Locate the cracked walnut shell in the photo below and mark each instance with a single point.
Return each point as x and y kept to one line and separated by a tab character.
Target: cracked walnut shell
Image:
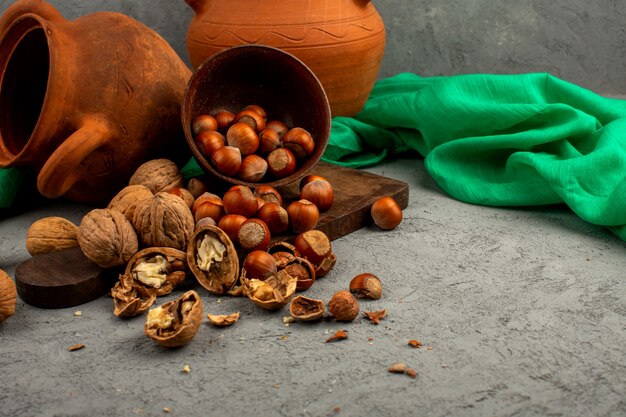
130	299
163	221
176	322
158	175
107	238
157	270
8	296
212	259
51	234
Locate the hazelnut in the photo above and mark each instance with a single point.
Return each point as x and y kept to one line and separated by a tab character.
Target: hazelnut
300	142
176	322
275	217
254	235
320	193
314	245
310	178
268	194
243	137
283	253
303	270
230	224
260	265
184	194
303	215
366	286
196	187
251	118
8	296
227	160
281	163
212	259
107	238
343	306
224	119
386	213
269	141
257	109
306	309
239	199
204	122
277	126
253	168
208	205
51	234
209	141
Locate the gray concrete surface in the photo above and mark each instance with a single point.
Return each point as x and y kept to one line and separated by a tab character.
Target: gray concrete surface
578	40
524	311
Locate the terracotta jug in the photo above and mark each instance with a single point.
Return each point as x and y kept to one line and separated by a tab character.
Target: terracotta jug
342	41
85	102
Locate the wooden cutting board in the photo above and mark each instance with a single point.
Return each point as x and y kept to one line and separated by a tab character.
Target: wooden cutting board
66	278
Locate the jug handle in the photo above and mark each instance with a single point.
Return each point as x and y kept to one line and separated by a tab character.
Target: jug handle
22	7
62	170
196	5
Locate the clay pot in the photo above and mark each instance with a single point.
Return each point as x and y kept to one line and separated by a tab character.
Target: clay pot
85	102
266	76
342	41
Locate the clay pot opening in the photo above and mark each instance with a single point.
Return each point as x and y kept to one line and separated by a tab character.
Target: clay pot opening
24	69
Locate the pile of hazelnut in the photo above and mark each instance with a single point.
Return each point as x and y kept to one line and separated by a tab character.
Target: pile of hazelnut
157	233
249	147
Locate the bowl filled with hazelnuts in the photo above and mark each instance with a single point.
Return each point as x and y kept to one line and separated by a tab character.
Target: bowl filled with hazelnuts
255	114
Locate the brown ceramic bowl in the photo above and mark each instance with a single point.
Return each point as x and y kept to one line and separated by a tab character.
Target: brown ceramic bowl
269	77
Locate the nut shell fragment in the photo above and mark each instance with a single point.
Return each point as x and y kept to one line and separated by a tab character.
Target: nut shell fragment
272	293
51	234
8	296
221	320
212	259
176	322
107	238
158	270
163	220
130	299
306	309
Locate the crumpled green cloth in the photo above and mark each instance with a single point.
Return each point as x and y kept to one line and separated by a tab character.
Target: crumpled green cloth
10	181
498	140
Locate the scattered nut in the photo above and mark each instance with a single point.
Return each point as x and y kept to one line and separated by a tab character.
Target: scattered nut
220	320
51	234
415	344
306	309
176	322
8	296
375	316
343	306
272	293
186	369
107	238
366	286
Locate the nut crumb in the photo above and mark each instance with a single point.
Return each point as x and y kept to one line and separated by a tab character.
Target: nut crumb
336	409
284	337
186	369
339	335
78	313
429	348
76	347
397	368
288	319
415	344
166	409
411	372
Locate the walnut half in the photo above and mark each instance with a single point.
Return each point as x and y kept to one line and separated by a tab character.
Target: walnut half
213	259
176	322
159	270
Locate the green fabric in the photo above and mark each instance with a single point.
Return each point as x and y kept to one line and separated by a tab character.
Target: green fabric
10	181
499	140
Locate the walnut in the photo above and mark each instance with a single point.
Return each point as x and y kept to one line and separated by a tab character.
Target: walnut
176	322
51	234
163	221
212	258
8	296
157	270
107	238
127	199
344	306
272	293
129	298
158	175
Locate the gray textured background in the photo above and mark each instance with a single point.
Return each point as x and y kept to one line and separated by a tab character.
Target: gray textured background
581	41
524	308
